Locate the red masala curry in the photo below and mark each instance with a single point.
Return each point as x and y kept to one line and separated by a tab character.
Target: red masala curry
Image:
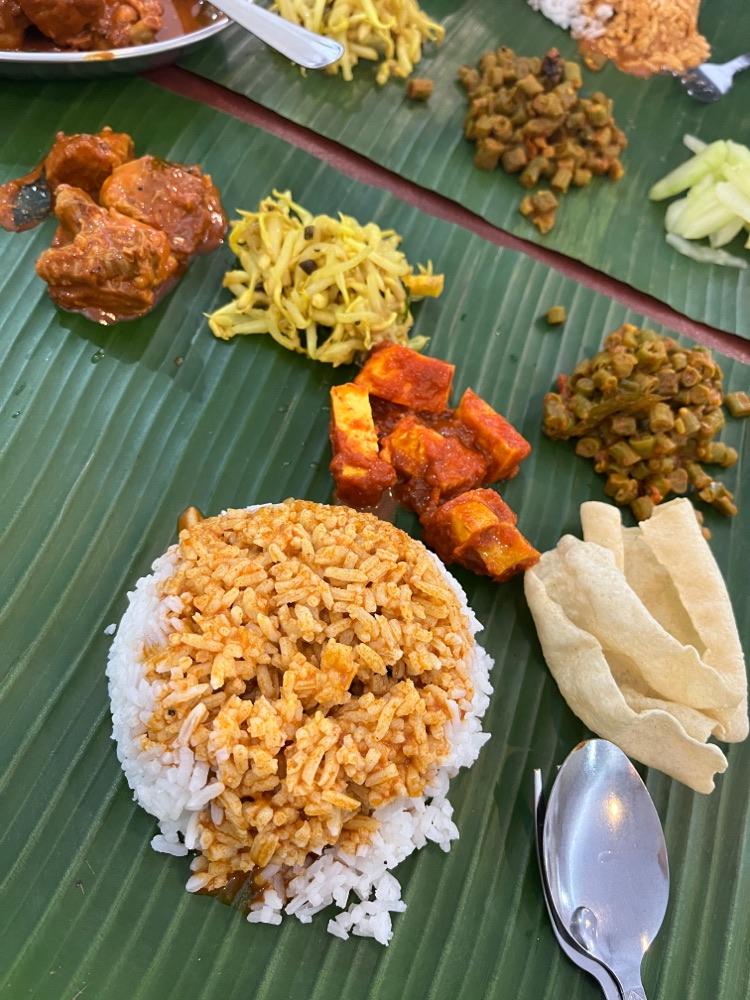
392	429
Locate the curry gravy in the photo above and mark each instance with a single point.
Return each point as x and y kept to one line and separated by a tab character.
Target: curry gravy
181	17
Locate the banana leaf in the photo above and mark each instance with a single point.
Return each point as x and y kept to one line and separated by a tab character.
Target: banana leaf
612	227
105	438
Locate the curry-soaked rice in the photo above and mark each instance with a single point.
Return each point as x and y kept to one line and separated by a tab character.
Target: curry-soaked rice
641	37
314	659
644	38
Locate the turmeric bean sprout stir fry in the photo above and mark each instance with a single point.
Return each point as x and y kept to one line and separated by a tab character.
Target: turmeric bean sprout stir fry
328	288
388	32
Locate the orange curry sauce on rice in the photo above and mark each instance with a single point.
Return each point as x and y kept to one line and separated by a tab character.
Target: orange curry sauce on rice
310	668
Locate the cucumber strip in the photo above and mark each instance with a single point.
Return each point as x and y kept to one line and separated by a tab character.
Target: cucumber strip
734	199
702	186
693	143
673	213
739	176
708	222
690	172
737	153
720	237
703	254
702	215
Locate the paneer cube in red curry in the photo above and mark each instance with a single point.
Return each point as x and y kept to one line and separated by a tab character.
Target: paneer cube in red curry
392	427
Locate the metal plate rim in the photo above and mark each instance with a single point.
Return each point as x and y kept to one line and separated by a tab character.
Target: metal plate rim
131	52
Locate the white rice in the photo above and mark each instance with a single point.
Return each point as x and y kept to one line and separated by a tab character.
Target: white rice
567	13
175	788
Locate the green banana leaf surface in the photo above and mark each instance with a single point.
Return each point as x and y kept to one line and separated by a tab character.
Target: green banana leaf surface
105	436
612	227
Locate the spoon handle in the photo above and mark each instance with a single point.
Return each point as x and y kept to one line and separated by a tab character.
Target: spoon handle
292	40
738	64
584	961
633	990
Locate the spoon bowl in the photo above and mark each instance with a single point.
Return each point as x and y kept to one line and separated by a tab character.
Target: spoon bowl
567	944
605	859
708	83
303	47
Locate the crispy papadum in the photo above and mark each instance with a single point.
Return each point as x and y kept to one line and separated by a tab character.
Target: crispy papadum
637	629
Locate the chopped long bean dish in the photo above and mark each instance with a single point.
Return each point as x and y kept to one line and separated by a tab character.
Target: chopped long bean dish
647	412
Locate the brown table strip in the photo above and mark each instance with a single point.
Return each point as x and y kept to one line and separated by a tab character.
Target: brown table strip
359	167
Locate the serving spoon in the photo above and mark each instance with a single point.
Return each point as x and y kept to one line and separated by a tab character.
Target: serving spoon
605	860
303	47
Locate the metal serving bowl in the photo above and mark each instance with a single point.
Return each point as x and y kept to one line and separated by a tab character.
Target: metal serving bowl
134	59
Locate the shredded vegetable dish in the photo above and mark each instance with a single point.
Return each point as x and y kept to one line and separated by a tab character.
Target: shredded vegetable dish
328	288
389	32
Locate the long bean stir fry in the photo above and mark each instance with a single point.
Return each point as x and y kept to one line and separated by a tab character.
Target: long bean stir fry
647	411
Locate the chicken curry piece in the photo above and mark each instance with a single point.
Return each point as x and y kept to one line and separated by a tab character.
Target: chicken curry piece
128	227
181	201
104	264
95	24
13	24
392	427
84	161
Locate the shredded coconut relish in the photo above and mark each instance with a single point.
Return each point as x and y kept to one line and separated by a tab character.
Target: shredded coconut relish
317	657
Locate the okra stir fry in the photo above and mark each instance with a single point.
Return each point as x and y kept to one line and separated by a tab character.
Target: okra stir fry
647	411
526	115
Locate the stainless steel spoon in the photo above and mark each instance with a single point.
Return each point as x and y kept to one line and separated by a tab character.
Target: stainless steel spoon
709	82
296	43
606	860
569	947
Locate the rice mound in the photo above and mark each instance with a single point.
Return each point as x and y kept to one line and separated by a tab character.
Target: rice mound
571	15
184	732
